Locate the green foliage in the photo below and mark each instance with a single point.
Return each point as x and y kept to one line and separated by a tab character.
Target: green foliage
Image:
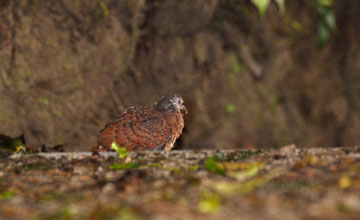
326	23
114	212
62	213
246	154
104	9
345	182
192	180
225	188
43	100
122	152
154	165
119	166
209	204
341	207
213	166
230	108
281	98
6	195
245	186
281	5
325	2
37	166
259	181
236	66
262	6
249	173
14	145
126	214
55	196
20	148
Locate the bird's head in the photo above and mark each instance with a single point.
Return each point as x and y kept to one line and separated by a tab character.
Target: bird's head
171	102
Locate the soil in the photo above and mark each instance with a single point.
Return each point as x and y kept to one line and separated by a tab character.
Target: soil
285	183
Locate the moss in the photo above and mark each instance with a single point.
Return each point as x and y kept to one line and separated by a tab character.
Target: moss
55	196
114	213
193	180
193	168
6	195
37	166
244	155
212	166
119	166
63	213
209	204
154	165
341	207
176	170
290	185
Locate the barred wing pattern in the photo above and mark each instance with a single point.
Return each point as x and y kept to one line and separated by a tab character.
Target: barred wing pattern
139	128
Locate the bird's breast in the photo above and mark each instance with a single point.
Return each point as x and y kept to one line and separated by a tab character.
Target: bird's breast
176	122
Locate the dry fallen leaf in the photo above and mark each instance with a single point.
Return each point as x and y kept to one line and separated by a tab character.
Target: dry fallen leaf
344	182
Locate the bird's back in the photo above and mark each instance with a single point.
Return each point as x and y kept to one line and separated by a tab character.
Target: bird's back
138	128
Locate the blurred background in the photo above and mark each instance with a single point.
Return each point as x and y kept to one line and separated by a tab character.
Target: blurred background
253	73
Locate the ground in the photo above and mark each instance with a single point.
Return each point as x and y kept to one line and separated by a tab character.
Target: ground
285	183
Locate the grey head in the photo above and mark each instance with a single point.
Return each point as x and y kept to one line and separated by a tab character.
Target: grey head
171	102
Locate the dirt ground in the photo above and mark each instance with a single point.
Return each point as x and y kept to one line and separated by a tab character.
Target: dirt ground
287	183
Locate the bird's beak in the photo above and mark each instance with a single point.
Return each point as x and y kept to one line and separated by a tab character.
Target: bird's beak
183	109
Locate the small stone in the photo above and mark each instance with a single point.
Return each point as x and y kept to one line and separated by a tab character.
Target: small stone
132	154
289	149
127	160
16	200
109	188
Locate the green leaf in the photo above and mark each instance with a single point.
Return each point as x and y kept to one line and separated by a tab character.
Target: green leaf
20	148
230	108
327	3
213	166
329	20
259	181
344	182
119	166
6	195
122	152
261	5
323	35
249	173
209	204
104	9
14	145
236	66
226	188
45	101
126	214
281	5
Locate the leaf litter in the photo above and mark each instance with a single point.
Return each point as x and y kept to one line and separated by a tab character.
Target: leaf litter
285	183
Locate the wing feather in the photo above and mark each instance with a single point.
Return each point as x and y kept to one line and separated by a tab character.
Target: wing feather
139	128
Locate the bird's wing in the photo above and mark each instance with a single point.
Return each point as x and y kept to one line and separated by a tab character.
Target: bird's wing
139	128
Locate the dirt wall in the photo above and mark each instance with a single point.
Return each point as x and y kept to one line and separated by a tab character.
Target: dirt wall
67	68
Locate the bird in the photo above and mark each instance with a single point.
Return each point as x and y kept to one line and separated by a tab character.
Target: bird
155	127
